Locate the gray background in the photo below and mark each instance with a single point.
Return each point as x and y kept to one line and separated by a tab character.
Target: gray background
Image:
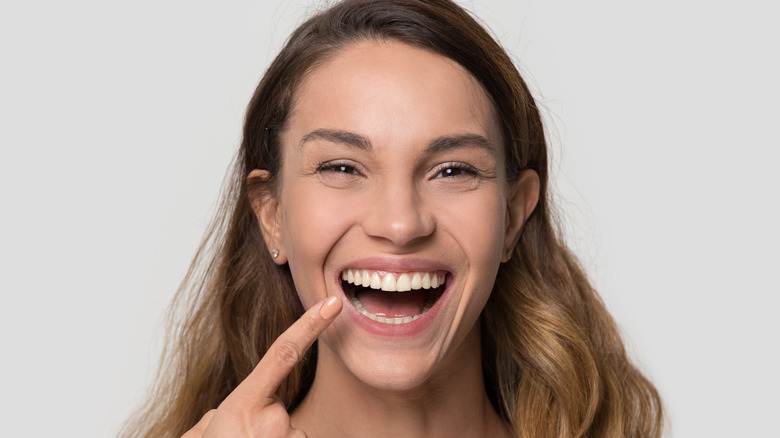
118	121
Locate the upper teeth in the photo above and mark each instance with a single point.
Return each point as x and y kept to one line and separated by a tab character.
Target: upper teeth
393	282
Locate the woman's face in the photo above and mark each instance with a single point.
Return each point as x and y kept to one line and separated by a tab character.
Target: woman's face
393	197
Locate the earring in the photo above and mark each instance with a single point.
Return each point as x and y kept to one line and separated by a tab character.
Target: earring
509	253
275	253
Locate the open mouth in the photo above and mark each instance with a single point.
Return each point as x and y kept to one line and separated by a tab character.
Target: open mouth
393	298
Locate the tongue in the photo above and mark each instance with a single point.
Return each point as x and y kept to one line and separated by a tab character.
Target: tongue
392	304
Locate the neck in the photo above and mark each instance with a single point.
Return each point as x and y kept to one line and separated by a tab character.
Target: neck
452	402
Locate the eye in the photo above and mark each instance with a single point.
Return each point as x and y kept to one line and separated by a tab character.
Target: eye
452	170
338	168
340	174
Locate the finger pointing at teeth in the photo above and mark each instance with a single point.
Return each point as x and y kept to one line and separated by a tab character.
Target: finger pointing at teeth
253	409
287	350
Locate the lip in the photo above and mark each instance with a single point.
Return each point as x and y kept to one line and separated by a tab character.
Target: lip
398	265
388	264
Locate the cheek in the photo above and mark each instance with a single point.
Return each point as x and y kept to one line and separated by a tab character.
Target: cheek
312	223
477	223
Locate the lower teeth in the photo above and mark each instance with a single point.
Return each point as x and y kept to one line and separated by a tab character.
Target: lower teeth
397	320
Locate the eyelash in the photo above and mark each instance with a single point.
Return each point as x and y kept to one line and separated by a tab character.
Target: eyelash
459	167
337	167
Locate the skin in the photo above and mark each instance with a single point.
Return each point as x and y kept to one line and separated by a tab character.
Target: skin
367	181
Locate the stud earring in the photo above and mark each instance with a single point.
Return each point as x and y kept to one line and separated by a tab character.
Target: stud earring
275	253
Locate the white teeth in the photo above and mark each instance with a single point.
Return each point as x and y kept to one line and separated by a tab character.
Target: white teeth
388	283
404	283
376	282
385	320
391	282
416	281
426	281
366	278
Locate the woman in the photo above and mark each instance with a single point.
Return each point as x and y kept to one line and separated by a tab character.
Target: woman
392	180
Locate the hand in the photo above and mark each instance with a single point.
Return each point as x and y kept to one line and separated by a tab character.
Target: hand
252	409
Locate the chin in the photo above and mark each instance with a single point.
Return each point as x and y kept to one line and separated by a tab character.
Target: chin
393	374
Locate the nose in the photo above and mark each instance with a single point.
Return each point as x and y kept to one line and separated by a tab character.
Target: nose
398	214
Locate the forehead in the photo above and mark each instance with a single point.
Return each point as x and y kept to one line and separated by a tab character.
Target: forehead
392	91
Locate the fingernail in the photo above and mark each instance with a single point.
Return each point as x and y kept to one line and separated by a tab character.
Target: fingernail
330	308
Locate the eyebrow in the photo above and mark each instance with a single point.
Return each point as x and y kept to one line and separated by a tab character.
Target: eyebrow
337	136
460	141
440	144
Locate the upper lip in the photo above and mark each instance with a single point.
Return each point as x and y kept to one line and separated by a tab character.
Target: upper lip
395	265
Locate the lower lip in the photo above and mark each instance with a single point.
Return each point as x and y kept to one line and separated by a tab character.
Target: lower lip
408	329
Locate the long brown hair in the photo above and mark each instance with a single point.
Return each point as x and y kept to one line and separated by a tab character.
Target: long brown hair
553	360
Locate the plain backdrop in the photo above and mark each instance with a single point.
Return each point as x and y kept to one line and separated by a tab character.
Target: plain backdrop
118	121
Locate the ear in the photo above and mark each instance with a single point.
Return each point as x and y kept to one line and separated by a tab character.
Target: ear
268	213
522	199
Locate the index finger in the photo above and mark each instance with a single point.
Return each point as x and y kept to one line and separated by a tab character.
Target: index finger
288	349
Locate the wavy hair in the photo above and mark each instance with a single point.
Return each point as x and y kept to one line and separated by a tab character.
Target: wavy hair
554	364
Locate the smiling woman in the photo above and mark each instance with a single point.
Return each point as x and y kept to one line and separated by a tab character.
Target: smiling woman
389	170
392	180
